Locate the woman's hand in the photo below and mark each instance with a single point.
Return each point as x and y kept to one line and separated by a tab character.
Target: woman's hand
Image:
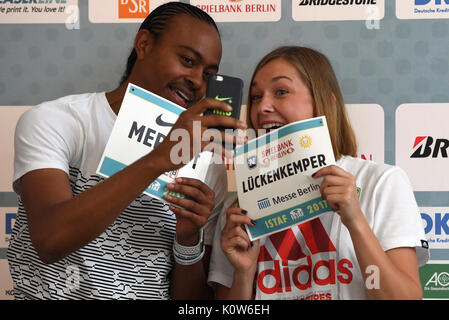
236	244
339	189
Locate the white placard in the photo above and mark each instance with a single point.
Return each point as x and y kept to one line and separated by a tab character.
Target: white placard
241	10
9	115
368	123
143	122
122	11
335	10
273	176
422	9
422	144
42	11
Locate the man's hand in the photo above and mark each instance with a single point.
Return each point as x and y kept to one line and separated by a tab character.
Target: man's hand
194	213
187	141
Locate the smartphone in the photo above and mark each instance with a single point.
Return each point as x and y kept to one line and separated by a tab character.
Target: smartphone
227	89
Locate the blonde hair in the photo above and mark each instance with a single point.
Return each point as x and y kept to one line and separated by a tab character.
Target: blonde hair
317	73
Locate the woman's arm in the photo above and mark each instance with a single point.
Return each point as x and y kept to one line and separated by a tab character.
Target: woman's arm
396	269
241	253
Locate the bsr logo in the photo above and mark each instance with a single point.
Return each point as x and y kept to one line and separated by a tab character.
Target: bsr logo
428	148
424	2
441	223
133	9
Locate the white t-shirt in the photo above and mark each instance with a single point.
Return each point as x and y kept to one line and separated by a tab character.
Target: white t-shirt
133	257
316	260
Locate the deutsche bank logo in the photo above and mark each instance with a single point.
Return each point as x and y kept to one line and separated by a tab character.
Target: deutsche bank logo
263	203
252	162
424	2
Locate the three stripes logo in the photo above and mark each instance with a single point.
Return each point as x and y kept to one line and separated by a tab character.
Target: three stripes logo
263	203
287	261
287	247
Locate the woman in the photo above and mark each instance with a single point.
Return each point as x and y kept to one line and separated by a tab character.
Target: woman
368	248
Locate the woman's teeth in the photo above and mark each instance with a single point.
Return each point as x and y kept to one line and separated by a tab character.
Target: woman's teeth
272	125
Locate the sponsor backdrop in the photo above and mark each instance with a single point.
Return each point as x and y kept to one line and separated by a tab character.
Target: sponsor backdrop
390	57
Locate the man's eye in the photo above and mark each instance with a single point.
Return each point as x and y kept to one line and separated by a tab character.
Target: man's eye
187	60
207	74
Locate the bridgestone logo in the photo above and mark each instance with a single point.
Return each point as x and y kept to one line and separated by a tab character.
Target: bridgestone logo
428	149
336	2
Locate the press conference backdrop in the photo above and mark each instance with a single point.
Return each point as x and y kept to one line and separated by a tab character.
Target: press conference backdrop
390	56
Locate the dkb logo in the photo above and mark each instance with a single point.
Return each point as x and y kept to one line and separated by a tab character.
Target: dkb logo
441	223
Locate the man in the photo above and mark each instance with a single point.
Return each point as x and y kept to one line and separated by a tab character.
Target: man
78	237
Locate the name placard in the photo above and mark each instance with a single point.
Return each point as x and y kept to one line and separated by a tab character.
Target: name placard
273	176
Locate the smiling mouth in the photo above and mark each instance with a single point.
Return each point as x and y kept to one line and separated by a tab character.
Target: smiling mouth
184	97
180	97
272	126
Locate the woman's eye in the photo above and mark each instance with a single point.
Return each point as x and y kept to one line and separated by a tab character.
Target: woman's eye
281	92
256	97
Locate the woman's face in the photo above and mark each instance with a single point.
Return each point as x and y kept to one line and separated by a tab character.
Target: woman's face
279	96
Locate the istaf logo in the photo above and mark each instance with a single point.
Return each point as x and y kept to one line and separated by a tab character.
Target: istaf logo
284	246
424	147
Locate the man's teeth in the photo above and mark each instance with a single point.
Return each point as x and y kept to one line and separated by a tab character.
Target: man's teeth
182	96
272	125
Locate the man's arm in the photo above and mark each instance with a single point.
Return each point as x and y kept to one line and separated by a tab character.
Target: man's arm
59	223
190	282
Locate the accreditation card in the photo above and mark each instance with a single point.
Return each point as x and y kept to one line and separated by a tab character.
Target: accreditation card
144	121
273	176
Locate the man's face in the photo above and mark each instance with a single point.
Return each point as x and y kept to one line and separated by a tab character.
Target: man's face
177	64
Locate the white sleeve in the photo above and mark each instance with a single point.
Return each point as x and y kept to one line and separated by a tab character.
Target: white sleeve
43	139
220	269
397	221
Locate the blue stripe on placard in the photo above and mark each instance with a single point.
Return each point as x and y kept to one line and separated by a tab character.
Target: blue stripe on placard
157	189
148	96
282	132
110	166
286	218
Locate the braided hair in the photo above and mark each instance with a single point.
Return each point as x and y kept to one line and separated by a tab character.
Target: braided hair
157	21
